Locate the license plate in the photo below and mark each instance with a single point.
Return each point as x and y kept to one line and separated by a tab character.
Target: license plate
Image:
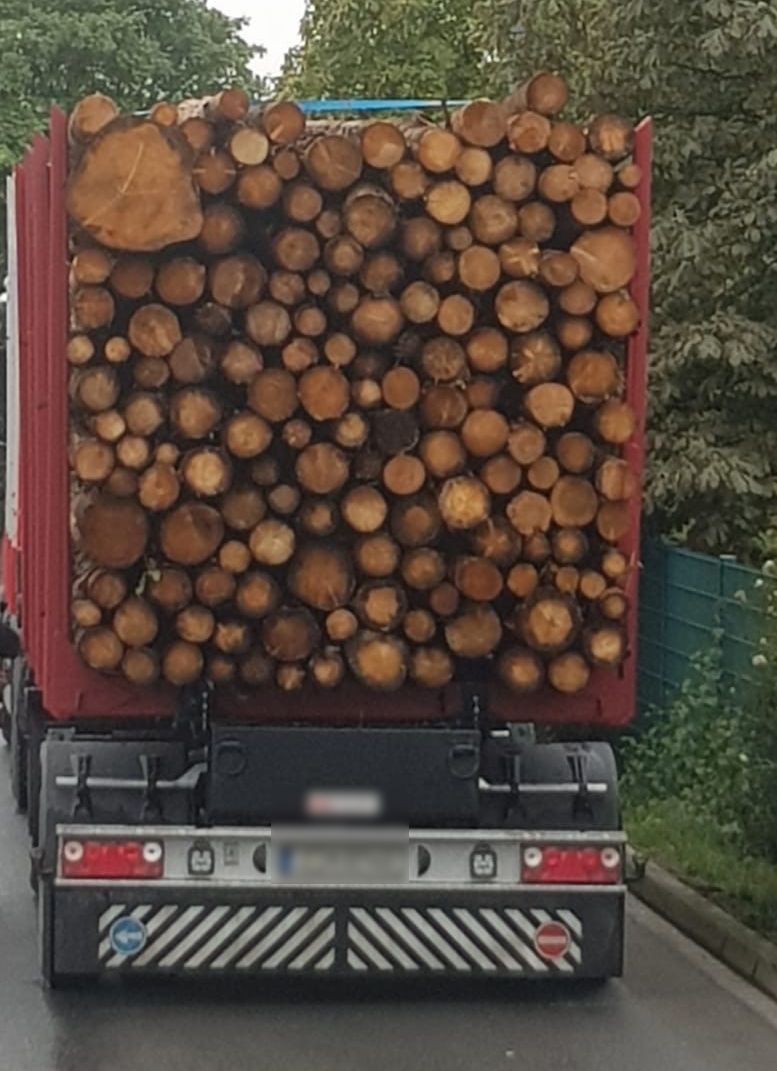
344	860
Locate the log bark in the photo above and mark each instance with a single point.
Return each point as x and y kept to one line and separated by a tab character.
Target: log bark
191	533
378	661
474	633
290	635
521	670
321	577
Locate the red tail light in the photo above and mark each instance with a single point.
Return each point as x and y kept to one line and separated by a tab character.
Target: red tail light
563	864
111	858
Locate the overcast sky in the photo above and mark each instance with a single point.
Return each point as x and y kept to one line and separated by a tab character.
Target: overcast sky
272	23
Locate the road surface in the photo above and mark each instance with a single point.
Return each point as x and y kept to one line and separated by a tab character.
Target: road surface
676	1010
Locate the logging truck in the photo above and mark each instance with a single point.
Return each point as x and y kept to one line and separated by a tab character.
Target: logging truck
325	440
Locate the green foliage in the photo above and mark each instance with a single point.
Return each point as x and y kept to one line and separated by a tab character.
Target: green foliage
136	51
385	48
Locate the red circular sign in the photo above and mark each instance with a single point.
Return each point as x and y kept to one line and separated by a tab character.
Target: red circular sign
552	940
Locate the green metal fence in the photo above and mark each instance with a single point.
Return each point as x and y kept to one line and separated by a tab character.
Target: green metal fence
687	601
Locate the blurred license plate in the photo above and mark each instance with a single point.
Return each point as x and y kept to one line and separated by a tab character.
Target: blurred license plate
341	861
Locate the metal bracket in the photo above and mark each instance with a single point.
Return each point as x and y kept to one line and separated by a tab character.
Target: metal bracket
82	804
151	806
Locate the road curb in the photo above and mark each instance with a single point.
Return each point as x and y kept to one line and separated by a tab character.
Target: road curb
739	947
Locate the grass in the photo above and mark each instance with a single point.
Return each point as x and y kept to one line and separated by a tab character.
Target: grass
701	854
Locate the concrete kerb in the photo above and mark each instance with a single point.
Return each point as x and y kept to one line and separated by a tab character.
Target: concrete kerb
739	947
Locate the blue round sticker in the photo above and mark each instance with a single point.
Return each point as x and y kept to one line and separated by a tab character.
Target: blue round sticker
127	936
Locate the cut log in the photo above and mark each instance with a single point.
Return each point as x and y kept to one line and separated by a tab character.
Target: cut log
377	320
322	468
171	589
286	287
575	452
448	202
522	580
464	502
525	443
574	332
248	146
214	171
376	555
380	605
479	268
543	473
617	314
458	238
237	281
341	625
534	358
298	355
255	669
89	116
611	136
265	471
443	406
366	393
321	577
409	181
493	220
343	255
140	666
222	229
318	282
383	145
220	669
592	584
514	178
444	360
343	298
570	546
485	432
91	307
257	594
566	142
92	460
206	471
521	670
487	350
194	413
520	258
613	521
615	565
192	360
80	350
135	622
549	621
415	522
528	132
588	207
324	393
481	122
259	187
214	320
132	188
243	508
437	150
290	635
247	435
545	93
182	663
569	673
369	216
234	556
419	302
109	425
624	209
594	173
529	512
496	540
613	604
132	277
333	162
578	299
558	183
85	613
272	393
604	646
197	132
327	669
290	678
297	434
521	306
272	542
381	273
607	259
536	221
106	588
423	568
143	414
566	579
100	648
302	202
550	405
154	330
593	376
123	481
574	502
431	667
158	487
475	633
558	269
90	266
419	626
474	166
616	480
536	548
268	323
444	599
377	661
615	422
478	579
283	122
442	453
191	533
404	475
351	431
364	509
113	532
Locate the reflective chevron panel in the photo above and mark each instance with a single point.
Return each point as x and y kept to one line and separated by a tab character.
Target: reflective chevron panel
218	938
456	939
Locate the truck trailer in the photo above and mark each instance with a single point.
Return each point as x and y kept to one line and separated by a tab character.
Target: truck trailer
343	832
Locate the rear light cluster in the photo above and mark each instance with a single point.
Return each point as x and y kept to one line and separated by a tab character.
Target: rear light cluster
565	864
111	858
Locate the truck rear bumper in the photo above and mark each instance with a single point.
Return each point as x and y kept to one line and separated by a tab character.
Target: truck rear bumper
136	929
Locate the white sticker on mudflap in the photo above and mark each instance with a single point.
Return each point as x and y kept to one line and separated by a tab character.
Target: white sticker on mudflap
127	936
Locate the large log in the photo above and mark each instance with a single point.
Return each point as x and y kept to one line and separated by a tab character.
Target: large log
378	661
191	533
321	577
474	633
112	532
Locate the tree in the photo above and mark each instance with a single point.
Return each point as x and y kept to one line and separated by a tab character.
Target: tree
137	51
385	48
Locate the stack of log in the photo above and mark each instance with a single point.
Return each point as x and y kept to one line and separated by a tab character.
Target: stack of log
347	397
